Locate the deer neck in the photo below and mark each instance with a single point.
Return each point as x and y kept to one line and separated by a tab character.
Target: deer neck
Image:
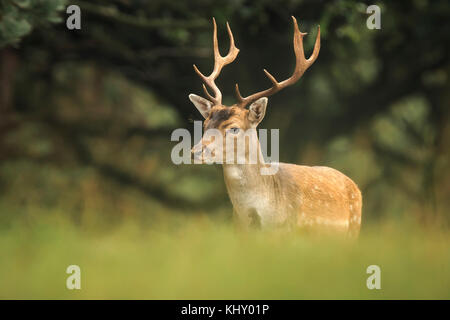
243	176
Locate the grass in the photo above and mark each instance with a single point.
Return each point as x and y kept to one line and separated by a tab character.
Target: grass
201	258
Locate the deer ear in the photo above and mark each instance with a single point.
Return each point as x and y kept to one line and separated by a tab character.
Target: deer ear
257	110
202	105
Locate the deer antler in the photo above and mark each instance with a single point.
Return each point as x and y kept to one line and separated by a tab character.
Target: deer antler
219	63
301	65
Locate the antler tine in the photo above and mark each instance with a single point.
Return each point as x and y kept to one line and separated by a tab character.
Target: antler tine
219	63
301	65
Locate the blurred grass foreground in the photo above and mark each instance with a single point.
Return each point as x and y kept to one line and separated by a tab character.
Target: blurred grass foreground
86	177
204	258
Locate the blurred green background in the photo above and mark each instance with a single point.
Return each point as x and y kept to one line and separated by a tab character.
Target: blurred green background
85	171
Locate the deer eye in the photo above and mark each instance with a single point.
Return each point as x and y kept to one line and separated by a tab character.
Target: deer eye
233	130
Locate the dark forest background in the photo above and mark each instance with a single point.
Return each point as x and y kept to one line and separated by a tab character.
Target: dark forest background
86	115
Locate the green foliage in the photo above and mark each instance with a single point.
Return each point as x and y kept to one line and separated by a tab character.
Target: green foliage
19	17
108	96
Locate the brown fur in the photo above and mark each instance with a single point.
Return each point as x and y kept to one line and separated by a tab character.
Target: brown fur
303	197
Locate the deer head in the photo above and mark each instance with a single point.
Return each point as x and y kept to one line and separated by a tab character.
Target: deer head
236	122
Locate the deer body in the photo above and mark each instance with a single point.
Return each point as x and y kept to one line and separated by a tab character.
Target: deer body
296	196
293	196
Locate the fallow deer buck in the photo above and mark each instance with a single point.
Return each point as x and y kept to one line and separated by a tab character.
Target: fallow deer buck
295	196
